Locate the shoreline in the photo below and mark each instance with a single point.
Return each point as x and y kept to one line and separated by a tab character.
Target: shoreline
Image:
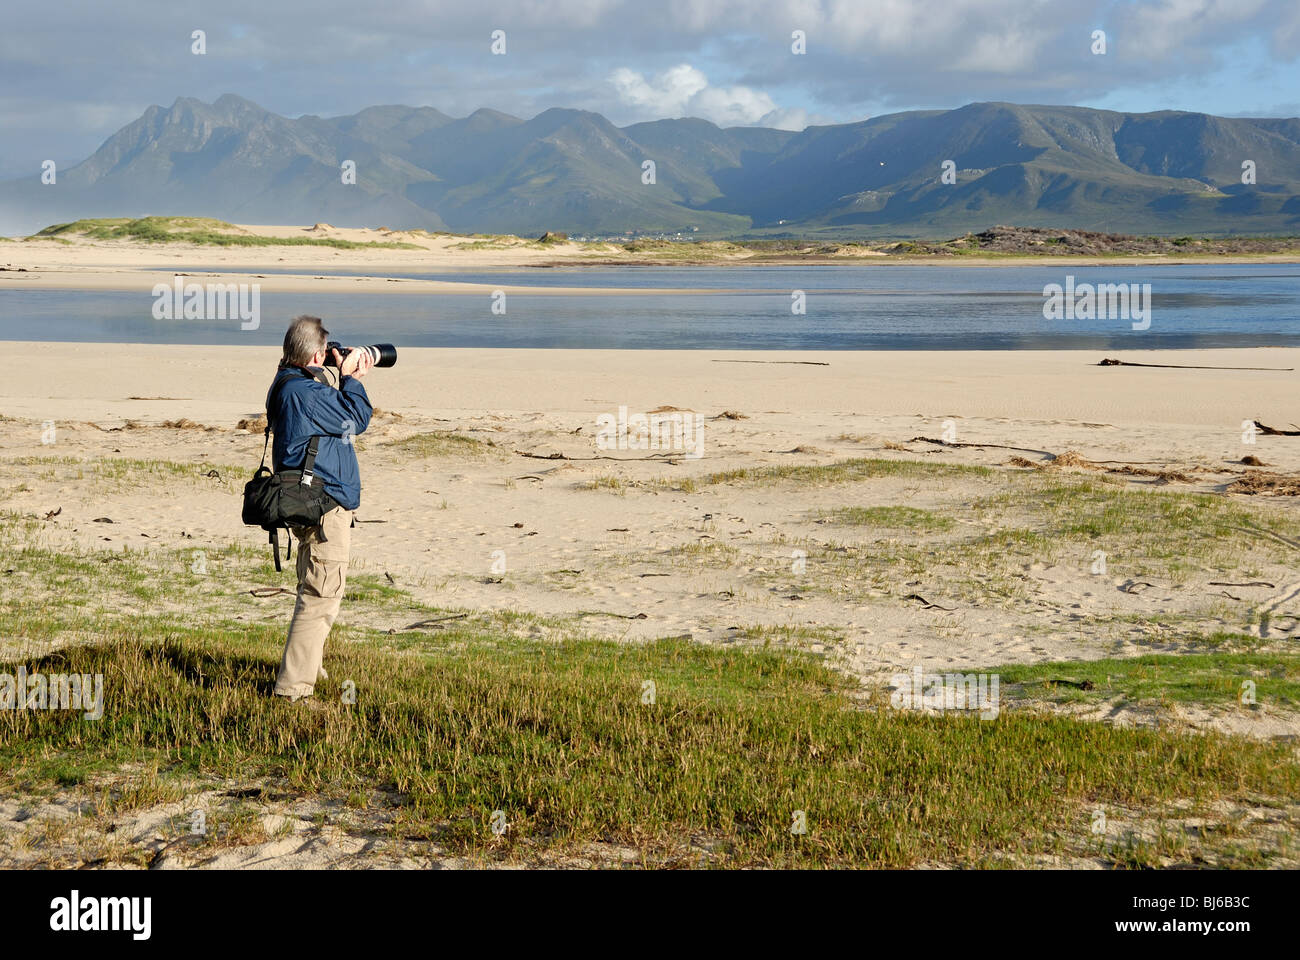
136	280
367	255
969	260
127	277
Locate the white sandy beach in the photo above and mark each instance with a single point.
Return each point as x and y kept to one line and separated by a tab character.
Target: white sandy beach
439	519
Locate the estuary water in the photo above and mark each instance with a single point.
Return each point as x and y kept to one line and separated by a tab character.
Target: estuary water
846	307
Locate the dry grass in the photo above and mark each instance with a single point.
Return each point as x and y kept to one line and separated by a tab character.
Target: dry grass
1070	458
1259	482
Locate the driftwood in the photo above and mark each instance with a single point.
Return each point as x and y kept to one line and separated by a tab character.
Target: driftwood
654	457
926	603
270	591
1274	432
1180	366
806	363
1061	682
435	621
995	446
1134	586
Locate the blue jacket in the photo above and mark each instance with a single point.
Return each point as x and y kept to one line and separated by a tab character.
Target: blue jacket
308	408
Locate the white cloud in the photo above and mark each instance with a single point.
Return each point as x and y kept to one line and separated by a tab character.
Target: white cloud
731	106
684	91
862	56
666	95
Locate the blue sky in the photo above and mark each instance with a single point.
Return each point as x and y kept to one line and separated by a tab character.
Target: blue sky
72	74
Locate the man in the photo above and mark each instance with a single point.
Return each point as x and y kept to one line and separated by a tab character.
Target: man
307	407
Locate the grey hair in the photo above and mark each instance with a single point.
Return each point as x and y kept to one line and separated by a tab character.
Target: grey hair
303	340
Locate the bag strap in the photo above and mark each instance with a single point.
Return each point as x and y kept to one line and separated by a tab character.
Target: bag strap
274	540
266	434
309	463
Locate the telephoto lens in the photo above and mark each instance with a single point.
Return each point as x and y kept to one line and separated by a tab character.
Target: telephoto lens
384	354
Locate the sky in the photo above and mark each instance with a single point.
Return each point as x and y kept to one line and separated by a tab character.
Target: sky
73	73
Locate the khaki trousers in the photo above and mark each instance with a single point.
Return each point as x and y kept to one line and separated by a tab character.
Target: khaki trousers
322	575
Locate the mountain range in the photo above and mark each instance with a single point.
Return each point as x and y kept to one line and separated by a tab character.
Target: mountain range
1168	172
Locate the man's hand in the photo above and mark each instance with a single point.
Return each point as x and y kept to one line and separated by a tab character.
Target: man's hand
356	364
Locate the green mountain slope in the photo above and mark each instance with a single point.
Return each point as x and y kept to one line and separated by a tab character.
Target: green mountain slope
572	170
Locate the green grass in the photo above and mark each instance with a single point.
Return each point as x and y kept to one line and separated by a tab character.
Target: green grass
792	636
200	230
122	472
1162	532
605	481
685	250
842	471
441	443
709	554
557	736
485	245
50	594
898	518
136	470
370	588
1210	679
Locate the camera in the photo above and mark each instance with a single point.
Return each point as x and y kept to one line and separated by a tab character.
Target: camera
384	354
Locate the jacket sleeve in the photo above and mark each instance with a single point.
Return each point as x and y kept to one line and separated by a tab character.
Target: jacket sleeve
340	412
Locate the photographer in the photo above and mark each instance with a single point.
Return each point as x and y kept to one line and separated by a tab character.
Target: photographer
306	406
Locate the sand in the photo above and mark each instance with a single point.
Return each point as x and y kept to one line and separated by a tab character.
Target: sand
444	516
1061	394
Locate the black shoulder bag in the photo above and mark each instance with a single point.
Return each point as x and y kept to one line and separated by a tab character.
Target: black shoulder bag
290	498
